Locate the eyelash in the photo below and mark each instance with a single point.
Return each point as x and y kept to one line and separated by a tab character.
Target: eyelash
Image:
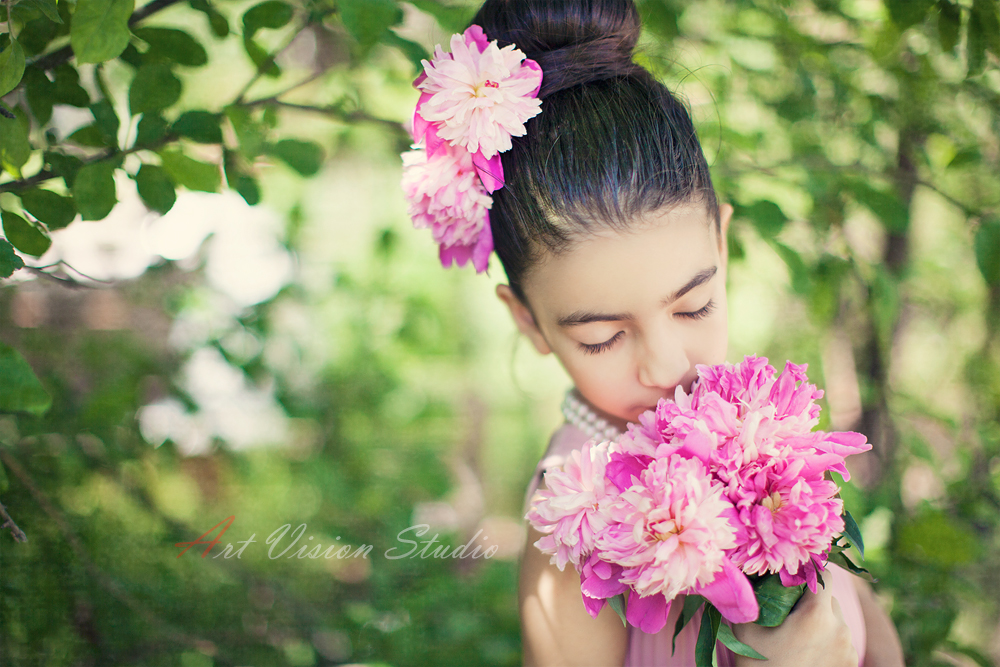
601	347
702	313
699	314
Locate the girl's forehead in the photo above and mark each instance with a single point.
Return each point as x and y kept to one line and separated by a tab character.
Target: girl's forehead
615	270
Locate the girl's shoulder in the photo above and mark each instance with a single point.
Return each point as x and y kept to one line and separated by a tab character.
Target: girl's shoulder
564	440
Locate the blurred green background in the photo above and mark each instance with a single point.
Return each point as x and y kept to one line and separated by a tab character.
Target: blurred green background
307	361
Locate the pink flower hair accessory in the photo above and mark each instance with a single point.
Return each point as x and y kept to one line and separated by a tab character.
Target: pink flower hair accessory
473	101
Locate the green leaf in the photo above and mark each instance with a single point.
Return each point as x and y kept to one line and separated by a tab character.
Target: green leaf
201	126
192	174
884	204
24	235
691	605
767	217
94	190
618	604
54	210
261	58
37	34
48	8
155	187
65	166
151	129
730	641
704	649
172	45
20	390
216	21
249	132
88	135
11	67
154	87
106	120
15	149
905	13
854	533
270	14
985	14
413	51
966	156
369	20
68	89
987	247
305	157
451	18
9	260
840	558
949	24
99	30
774	599
797	270
41	94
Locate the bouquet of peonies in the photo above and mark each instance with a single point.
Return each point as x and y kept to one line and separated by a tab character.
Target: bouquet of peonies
721	495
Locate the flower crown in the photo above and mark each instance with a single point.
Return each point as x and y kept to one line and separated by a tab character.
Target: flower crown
472	101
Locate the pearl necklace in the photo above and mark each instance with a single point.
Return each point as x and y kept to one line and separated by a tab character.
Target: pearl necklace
580	415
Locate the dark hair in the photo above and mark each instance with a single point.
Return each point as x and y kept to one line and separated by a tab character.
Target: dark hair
610	144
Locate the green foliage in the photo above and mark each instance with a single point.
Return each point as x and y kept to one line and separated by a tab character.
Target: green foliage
154	87
25	236
775	600
94	190
305	157
20	391
987	247
9	260
15	148
54	210
368	21
11	67
190	173
99	30
156	188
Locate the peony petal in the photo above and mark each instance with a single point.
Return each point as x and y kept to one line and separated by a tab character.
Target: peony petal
732	594
475	35
490	171
649	613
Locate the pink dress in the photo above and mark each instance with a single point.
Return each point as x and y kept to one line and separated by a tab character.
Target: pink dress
654	650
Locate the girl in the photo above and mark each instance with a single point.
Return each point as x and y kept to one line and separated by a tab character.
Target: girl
614	246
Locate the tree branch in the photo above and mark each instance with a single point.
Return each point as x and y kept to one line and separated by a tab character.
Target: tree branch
16	532
59	56
334	110
269	61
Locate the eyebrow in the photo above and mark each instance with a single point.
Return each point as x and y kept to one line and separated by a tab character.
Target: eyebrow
586	317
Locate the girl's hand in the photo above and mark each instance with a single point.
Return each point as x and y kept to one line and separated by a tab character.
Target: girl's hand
814	634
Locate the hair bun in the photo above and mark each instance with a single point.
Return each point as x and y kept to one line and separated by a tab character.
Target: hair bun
574	41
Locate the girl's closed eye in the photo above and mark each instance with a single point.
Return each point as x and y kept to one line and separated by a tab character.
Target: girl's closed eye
602	347
701	313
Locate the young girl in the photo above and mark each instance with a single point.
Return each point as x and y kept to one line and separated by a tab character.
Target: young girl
604	217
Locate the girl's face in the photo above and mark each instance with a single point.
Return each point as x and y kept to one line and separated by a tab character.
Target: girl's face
631	314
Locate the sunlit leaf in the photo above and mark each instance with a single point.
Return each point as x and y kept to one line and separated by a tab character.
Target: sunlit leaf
190	173
151	129
24	235
949	24
94	190
48	8
20	390
154	87
261	58
15	149
54	210
938	539
156	188
99	30
10	261
11	67
453	18
413	51
37	34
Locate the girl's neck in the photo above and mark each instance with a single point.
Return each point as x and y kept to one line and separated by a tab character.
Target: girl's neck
595	423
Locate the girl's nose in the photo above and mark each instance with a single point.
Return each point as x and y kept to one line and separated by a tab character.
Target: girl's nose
664	362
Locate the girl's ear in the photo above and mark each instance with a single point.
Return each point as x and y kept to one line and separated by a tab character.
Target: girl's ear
523	318
725	216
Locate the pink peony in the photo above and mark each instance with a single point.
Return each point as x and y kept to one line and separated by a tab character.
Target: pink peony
479	95
445	194
790	519
570	508
671	529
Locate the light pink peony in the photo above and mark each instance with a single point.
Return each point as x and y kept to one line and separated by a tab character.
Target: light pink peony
445	194
479	95
570	508
671	529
